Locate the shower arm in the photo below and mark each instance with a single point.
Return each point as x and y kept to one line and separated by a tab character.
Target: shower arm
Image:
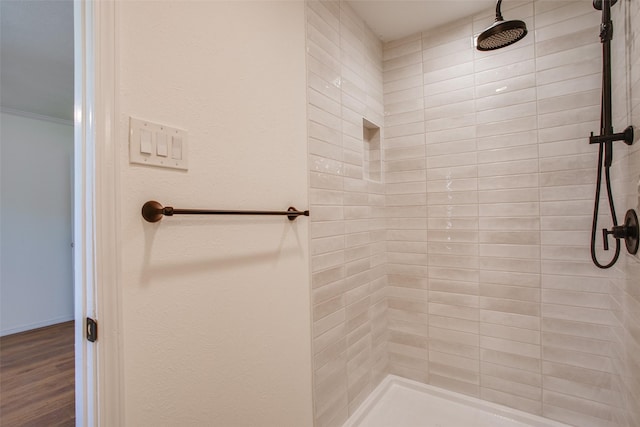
498	12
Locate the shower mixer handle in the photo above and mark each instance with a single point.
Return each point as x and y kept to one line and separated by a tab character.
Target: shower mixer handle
618	232
628	231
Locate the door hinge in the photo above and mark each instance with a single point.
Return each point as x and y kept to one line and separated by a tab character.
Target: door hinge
92	330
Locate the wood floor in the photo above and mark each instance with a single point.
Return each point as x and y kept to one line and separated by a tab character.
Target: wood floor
37	377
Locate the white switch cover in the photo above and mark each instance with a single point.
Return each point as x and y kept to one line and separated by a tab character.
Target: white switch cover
150	144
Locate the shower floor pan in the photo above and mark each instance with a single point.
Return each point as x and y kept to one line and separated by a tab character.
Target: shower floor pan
399	402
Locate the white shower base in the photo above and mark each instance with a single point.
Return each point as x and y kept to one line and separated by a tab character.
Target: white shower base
399	402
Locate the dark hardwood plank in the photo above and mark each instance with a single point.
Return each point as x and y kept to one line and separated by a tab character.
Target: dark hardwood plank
37	377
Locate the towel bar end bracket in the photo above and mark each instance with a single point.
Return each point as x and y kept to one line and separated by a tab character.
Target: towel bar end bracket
153	211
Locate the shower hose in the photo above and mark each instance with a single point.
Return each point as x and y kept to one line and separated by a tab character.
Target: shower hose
612	208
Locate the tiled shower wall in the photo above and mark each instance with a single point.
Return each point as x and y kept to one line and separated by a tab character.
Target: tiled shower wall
344	61
488	193
490	185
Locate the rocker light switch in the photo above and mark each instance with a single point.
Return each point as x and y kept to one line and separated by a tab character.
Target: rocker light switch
176	148
161	144
145	141
154	144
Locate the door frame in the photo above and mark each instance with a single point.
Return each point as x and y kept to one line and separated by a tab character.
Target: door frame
99	400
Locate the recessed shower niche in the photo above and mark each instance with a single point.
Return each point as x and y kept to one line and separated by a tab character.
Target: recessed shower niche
372	151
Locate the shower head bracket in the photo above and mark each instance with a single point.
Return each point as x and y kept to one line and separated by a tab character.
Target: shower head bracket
626	136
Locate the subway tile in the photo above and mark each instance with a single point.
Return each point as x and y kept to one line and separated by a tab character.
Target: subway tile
510	306
568	192
507	397
501	114
515	55
510	333
513	388
564	415
549	26
450	72
402	72
515	320
411	82
509	196
452	198
448	123
509	209
511	360
452	84
519	376
463	97
578	84
575	404
581	344
458	367
591	315
452	175
569	101
455	385
512	224
407	48
492	142
520	86
402	61
509	71
453	299
572	55
567	72
446	61
504	127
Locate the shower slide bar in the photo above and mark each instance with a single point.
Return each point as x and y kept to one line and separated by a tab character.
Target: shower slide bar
153	211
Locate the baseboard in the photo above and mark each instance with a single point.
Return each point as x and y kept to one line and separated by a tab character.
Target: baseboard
36	325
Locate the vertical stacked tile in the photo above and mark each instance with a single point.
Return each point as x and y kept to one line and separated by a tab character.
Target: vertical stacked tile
326	163
630	290
361	99
578	324
452	207
347	245
374	113
509	224
405	180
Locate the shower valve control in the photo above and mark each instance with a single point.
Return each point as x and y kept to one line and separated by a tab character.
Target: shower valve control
628	231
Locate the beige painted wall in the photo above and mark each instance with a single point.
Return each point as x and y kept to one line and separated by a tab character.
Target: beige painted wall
216	322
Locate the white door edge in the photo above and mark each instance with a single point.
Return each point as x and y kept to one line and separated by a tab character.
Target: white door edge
96	272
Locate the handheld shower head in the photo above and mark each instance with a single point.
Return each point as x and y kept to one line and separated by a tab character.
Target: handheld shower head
502	33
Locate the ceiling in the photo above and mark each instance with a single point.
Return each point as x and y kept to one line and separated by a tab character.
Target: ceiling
36	44
36	57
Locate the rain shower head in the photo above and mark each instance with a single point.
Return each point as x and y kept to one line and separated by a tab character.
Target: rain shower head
502	33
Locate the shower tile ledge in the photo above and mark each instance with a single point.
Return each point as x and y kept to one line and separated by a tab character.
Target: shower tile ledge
401	402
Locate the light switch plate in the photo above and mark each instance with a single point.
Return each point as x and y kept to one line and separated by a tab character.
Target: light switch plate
174	158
